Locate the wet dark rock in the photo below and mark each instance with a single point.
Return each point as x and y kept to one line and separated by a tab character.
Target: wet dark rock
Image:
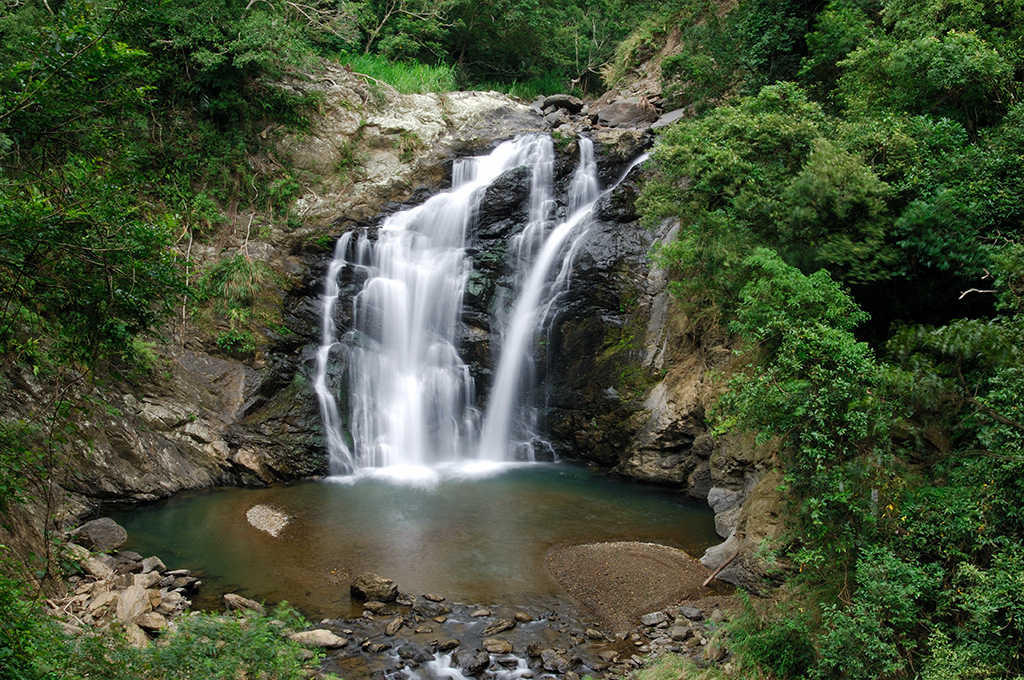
417	653
375	606
432	610
101	535
405	600
534	649
376	647
472	661
370	586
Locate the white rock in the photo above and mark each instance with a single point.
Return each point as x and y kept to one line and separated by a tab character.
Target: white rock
268	519
318	637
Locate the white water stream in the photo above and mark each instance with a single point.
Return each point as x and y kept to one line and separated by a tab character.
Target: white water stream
411	398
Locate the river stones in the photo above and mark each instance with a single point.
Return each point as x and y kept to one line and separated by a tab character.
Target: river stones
151	621
654	618
554	662
497	646
101	535
370	586
412	652
447	645
692	613
394	625
499	626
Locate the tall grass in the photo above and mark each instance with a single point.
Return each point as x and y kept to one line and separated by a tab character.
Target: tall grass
526	90
405	77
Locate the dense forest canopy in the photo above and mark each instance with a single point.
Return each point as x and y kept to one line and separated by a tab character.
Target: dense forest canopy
850	203
849	188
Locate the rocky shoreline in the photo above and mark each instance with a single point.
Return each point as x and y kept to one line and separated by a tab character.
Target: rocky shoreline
399	635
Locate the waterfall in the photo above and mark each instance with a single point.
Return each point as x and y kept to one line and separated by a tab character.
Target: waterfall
411	398
339	457
515	370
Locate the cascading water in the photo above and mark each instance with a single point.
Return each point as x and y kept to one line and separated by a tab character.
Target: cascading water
509	425
411	396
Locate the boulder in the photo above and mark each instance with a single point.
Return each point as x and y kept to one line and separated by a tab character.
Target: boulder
136	636
97	568
680	633
563	101
235	602
133	602
151	621
692	613
146	580
102	535
370	586
154	563
653	619
319	637
629	112
667	119
447	645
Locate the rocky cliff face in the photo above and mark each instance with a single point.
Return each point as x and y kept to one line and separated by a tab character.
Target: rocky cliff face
626	375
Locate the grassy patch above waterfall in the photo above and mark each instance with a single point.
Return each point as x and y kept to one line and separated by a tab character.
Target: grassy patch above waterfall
405	77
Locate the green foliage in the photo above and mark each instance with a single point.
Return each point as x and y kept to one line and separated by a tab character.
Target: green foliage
202	645
779	641
765	172
30	645
406	77
21	461
240	290
811	383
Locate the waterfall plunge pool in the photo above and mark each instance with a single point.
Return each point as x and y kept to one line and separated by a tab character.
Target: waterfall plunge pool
472	533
